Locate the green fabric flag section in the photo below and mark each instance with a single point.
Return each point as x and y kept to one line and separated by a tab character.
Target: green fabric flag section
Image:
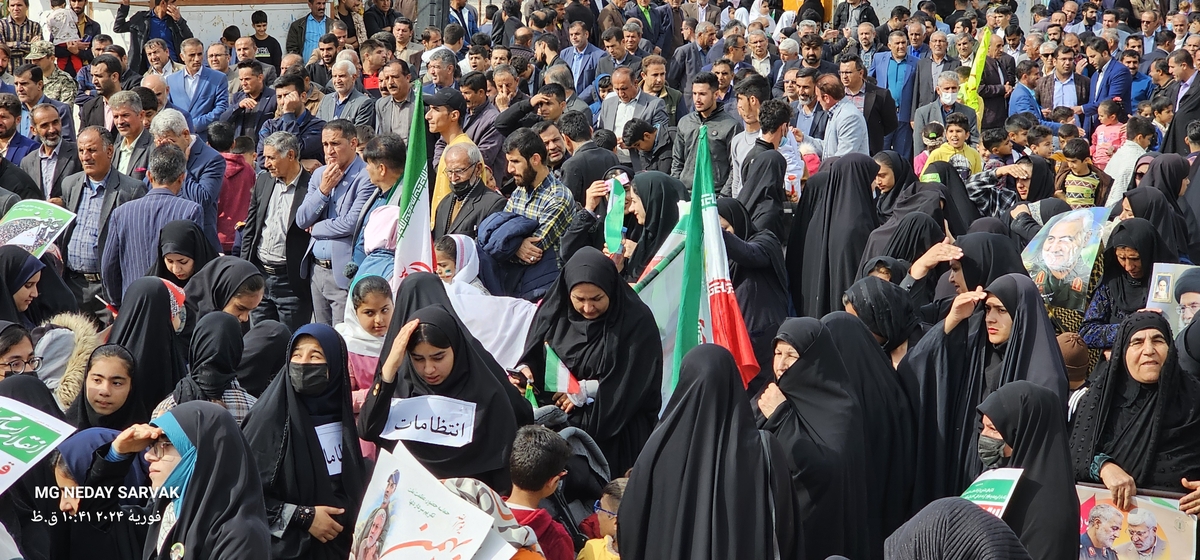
687	335
614	221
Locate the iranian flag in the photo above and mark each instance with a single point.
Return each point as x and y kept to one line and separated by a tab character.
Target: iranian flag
414	242
558	377
687	284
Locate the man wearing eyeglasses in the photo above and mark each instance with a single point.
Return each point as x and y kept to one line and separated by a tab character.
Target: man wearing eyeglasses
470	201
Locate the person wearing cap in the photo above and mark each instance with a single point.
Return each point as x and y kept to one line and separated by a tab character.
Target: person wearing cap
56	84
1187	294
445	112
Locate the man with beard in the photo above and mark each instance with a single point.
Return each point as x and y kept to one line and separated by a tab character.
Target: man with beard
321	71
539	196
808	111
1060	274
1104	524
106	75
811	47
470	201
1187	294
556	149
1143	541
14	145
55	160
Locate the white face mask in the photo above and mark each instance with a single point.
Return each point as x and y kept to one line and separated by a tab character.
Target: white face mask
948	98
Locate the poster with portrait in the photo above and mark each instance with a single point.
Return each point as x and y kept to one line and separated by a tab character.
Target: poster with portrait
1060	257
1175	290
33	225
1154	528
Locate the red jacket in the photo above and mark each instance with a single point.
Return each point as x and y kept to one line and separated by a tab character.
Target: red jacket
234	201
556	543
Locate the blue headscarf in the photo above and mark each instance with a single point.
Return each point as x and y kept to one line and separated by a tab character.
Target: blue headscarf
182	474
78	451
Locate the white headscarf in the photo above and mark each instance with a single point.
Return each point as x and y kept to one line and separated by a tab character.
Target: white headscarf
358	340
466	259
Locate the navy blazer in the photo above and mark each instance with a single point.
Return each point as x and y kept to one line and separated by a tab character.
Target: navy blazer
1117	84
209	101
591	56
19	147
661	28
249	122
205	175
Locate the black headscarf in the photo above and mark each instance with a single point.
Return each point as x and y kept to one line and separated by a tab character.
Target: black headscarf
661	202
17	266
1166	175
737	216
185	238
213	286
885	309
986	257
220	512
897	268
36	539
989	224
1041	184
1127	293
916	224
821	426
960	210
953	528
833	221
83	416
281	433
621	349
702	486
264	353
144	328
1043	507
1153	206
1151	431
216	352
888	422
904	178
1187	346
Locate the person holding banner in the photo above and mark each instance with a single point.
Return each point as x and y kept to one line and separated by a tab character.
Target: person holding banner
1133	248
19	503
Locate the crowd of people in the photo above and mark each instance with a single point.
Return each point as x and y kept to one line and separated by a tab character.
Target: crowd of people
225	320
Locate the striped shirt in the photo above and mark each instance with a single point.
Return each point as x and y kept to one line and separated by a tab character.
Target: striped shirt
132	243
551	206
22	34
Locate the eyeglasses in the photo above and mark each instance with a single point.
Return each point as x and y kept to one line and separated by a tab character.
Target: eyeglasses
1193	307
159	448
459	172
19	366
597	509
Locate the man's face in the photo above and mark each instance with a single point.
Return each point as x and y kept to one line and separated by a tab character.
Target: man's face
555	148
578	36
97	48
1054	34
193	58
341	36
1062	248
758	46
707	39
1104	533
916	35
1089	15
245	48
443	75
1096	58
127	121
852	76
624	86
327	52
1132	63
646	143
1149	23
552	109
1032	77
478	62
1143	538
260	29
156	56
1110	21
474	97
47	126
376	58
806	90
938	44
107	83
8	124
1189	302
96	159
18	9
703	98
615	48
631	41
1134	43
812	55
317	8
654	78
866	35
506	84
964	46
28	90
737	49
440	119
343	81
523	171
388	78
789	85
724	75
274	162
182	141
218	58
435	41
1058	18
78	6
1178	71
899	46
1013	41
252	83
403	33
747	107
1070	10
1064	64
338	148
1192	44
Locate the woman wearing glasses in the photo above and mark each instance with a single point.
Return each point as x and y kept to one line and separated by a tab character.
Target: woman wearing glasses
16	351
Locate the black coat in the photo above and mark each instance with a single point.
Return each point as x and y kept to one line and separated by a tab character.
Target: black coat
296	244
480	203
138	28
880	110
586	165
118	189
1188	111
68	164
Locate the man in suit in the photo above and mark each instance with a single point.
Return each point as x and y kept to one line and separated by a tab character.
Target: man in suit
760	57
132	152
330	211
656	22
162	92
55	159
929	67
1187	108
271	240
628	95
875	103
28	82
588	161
937	110
896	72
295	119
346	102
1024	99
13	145
616	56
581	56
847	131
1164	44
690	59
298	33
205	168
1111	81
254	105
702	10
92	193
1064	87
470	201
202	91
106	74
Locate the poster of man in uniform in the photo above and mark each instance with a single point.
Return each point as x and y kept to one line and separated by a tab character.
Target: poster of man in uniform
1176	293
1060	257
1154	529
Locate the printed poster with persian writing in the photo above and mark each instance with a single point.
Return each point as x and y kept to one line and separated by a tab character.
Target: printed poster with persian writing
1153	529
26	436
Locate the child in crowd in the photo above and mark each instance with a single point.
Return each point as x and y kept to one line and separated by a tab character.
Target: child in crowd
1041	141
1163	109
363	328
964	158
605	547
537	463
1018	127
1108	136
1079	182
62	27
458	258
933	135
1139	135
1143	109
999	150
1063	115
1066	133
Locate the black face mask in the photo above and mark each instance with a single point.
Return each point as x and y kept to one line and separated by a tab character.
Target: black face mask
309	379
462	189
991	451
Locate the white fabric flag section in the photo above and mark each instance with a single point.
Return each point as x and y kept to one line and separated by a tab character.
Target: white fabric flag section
431	419
499	323
414	242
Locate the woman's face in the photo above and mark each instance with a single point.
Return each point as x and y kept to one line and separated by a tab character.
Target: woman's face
956	277
999	321
1131	261
25	295
66	504
21	352
1146	354
446	267
1126	210
163	458
240	306
633	205
179	265
885	180
433	364
589	300
375	313
1139	173
785	356
307	350
108	384
726	226
989	430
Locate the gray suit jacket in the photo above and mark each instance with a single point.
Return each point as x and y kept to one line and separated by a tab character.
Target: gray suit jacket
692	10
140	154
68	163
932	112
926	83
118	190
646	107
358	109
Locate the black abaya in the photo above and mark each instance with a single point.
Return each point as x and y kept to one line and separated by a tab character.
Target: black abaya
1154	206
17	266
36	539
1166	175
960	209
953	528
904	178
661	203
215	354
182	237
264	353
1126	293
211	288
621	350
764	171
915	225
144	328
702	486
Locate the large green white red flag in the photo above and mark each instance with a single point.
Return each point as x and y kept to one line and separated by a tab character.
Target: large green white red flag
687	285
414	241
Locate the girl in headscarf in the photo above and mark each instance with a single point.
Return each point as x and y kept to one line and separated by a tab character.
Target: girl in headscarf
651	212
1024	428
886	310
1168	174
708	484
264	352
1136	425
988	339
607	339
759	280
182	252
148	327
1041	183
110	398
99	539
18	504
458	261
893	178
975	259
431	354
16	351
884	268
916	224
832	224
1153	206
304	440
228	284
1133	248
215	354
364	329
954	528
210	500
814	415
30	293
